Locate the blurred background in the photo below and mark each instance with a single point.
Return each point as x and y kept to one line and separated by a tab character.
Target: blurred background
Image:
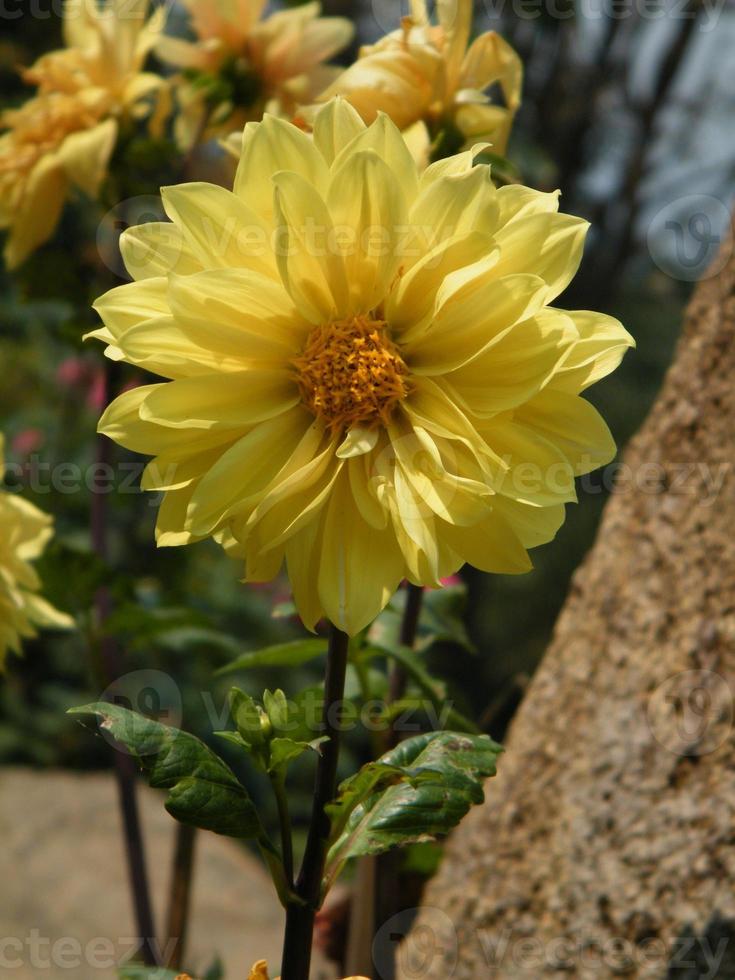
628	109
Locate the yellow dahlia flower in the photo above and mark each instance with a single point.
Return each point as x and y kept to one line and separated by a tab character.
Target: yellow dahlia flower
425	71
366	377
270	64
25	533
64	137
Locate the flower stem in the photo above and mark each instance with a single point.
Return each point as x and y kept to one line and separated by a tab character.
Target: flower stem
124	767
300	916
387	877
279	791
407	638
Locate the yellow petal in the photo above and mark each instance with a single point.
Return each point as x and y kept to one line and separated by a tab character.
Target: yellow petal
603	341
490	59
163	346
220	230
85	155
446	494
259	971
359	567
514	366
121	421
469	319
516	201
385	140
412	301
455	20
226	401
304	39
460	163
177	469
430	407
573	425
539	472
532	526
335	126
242	474
547	245
365	199
170	530
357	442
79	23
296	495
303	552
126	306
362	484
457	204
155	249
264	567
40	208
389	81
42	614
269	147
183	54
238	315
416	530
491	546
311	266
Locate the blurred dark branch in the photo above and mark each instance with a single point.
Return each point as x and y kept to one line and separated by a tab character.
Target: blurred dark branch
571	155
648	113
112	668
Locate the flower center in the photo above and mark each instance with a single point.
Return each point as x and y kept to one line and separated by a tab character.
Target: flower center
350	373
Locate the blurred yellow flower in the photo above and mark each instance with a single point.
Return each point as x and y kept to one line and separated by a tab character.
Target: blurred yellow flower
251	64
64	136
425	72
367	379
25	533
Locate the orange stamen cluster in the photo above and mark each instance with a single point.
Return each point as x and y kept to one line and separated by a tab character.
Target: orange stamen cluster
350	373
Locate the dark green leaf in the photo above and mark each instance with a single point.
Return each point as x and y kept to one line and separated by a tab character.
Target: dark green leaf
280	655
372	778
236	739
443	774
202	790
285	750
